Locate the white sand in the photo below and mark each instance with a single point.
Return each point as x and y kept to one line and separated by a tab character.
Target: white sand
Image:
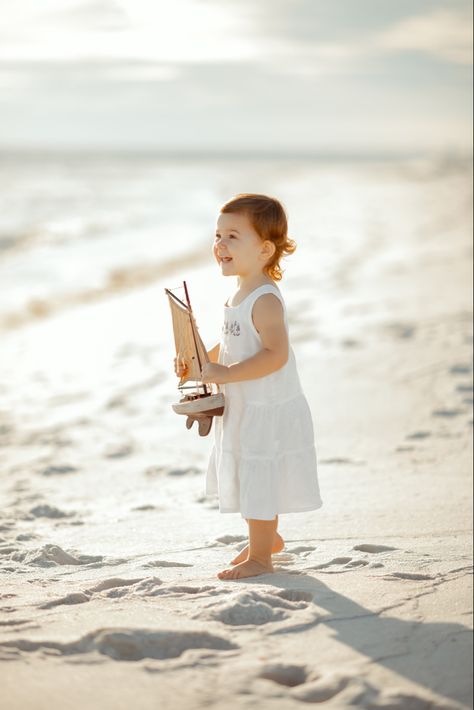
109	548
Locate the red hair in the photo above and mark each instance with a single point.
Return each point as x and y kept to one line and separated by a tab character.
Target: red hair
268	217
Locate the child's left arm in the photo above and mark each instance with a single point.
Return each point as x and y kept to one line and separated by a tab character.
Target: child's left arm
269	322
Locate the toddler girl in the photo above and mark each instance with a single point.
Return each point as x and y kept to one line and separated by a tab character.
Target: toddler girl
263	461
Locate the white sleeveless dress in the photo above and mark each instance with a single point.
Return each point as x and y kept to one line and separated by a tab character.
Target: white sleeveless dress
263	461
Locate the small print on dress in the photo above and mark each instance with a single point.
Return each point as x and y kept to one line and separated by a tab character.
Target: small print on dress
231	327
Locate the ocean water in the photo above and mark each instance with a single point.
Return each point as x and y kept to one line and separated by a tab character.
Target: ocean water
79	229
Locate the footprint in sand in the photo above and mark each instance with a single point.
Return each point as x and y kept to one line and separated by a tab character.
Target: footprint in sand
341	460
286	674
351	343
58	470
48	511
254	607
301	549
26	536
113	587
114	583
461	369
368	547
123	644
447	412
401	330
335	561
190	470
309	685
118	588
347	563
183	590
353	691
73	598
10	623
409	575
319	690
374	549
53	556
119	451
153	471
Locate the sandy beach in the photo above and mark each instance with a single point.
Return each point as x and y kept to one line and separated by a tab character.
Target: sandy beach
109	548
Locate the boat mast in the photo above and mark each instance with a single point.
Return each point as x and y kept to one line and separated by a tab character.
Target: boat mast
192	328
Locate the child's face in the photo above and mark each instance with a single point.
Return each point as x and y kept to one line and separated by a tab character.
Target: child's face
236	238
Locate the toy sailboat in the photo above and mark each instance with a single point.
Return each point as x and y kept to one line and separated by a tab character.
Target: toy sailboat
202	404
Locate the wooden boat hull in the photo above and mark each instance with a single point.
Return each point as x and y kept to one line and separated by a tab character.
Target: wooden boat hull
211	405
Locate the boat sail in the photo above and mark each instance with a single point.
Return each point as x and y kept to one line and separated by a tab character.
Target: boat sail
198	405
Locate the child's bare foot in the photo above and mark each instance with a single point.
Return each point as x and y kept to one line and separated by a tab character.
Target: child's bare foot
249	568
278	546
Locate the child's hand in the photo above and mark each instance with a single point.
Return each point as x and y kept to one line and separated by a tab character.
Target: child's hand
180	366
213	372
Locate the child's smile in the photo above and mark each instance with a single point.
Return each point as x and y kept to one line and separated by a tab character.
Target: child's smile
226	259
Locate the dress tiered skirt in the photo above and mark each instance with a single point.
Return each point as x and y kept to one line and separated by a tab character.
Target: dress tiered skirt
273	469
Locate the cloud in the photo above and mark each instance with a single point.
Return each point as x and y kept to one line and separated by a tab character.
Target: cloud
445	34
180	31
291	37
83	75
312	38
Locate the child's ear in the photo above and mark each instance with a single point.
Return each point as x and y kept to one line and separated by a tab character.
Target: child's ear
268	248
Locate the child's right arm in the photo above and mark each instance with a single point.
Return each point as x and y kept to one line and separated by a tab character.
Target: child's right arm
214	353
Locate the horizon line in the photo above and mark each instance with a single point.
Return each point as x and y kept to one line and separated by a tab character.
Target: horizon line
239	154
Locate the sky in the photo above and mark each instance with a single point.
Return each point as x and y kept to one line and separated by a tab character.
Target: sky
283	76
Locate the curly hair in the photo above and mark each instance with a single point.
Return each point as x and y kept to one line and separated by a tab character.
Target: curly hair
269	219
